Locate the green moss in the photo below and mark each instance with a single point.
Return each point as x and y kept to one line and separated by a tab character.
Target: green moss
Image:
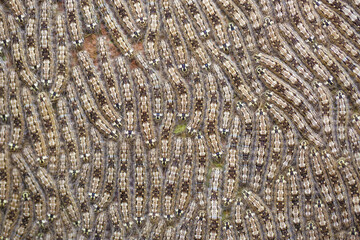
218	165
179	129
225	215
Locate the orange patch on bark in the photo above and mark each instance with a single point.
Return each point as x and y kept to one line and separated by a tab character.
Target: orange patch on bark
90	46
138	47
90	42
133	64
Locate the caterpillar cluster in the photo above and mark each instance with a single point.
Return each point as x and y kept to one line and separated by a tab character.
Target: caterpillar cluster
180	119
